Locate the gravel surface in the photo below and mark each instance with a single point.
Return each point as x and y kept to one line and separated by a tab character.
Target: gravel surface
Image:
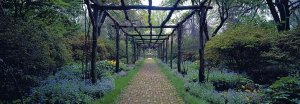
150	86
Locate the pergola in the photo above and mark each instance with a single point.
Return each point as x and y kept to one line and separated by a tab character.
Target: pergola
98	13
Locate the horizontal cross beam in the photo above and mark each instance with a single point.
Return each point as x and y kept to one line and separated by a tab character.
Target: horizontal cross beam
153	39
148	35
168	26
130	7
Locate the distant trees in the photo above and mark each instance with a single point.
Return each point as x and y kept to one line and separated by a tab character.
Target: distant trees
281	11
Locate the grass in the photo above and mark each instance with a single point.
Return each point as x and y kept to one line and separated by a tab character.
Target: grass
179	83
120	84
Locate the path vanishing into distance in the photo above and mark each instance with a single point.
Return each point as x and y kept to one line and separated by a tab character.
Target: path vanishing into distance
150	86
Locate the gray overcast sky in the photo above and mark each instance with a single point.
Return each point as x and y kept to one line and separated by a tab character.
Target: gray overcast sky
154	2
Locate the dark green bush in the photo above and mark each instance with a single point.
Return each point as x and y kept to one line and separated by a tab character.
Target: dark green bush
29	49
286	90
224	80
261	52
240	47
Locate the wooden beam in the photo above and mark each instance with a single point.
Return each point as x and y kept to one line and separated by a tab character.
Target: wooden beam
131	7
148	35
117	49
94	47
202	19
168	26
149	19
179	42
153	39
126	42
134	51
167	50
182	21
127	18
171	53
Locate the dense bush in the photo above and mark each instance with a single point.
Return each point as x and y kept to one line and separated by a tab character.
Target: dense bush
207	92
261	52
285	90
68	86
31	53
33	42
240	47
224	80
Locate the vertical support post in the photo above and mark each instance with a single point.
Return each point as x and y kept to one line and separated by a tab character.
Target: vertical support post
159	50
134	51
126	42
202	18
144	52
117	48
94	47
171	53
138	52
163	51
179	48
167	51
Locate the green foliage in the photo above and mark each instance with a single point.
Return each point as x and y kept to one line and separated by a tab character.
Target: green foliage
68	86
285	90
240	47
253	49
206	91
224	80
285	51
120	84
32	42
106	67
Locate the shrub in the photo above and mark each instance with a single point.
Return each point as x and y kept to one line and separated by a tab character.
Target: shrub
240	47
285	90
239	97
67	86
224	80
260	52
205	91
61	91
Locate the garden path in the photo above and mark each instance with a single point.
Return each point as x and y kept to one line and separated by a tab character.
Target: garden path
150	86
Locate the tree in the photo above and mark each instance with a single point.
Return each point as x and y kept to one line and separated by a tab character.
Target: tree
281	11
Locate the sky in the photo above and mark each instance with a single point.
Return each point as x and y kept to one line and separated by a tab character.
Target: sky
154	2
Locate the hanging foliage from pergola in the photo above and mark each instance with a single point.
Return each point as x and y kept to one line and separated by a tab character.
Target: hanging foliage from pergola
158	41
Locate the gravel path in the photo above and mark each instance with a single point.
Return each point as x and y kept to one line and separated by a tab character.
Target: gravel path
150	86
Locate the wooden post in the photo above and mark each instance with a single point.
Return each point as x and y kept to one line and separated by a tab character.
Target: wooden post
117	48
94	47
202	17
134	51
171	53
126	42
167	51
138	52
161	52
179	48
164	50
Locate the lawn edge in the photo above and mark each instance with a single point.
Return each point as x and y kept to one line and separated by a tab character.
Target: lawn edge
121	83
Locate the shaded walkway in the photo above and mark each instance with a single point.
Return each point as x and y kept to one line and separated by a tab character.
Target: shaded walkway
150	86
